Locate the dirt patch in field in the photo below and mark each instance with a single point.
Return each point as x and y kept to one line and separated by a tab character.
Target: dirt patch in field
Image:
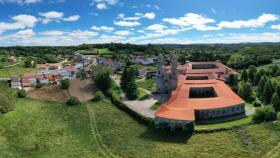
82	89
49	93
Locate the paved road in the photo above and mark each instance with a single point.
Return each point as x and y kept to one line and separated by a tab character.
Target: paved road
141	107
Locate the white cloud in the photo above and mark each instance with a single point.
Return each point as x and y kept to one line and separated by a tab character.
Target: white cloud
252	23
83	34
149	15
103	4
127	23
20	2
102	28
72	18
122	33
20	22
275	27
156	27
194	21
24	33
137	16
26	20
213	10
57	17
52	33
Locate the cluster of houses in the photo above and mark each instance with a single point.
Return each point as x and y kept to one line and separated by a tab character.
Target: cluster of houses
82	67
142	60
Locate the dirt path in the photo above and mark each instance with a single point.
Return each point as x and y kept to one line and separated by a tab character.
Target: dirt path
94	130
82	89
274	153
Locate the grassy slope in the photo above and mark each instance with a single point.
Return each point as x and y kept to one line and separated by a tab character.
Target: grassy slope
15	70
47	129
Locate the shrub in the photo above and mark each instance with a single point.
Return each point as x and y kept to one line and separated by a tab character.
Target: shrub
21	93
264	114
39	85
73	101
99	96
6	105
65	84
278	116
257	103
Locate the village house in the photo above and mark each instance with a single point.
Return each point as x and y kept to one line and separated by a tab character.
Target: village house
12	59
16	82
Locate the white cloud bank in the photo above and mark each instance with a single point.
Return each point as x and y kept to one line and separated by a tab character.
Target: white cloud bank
57	17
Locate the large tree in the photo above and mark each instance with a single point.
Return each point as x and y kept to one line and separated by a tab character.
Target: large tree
252	70
267	92
260	86
257	78
245	91
244	75
102	77
131	91
275	101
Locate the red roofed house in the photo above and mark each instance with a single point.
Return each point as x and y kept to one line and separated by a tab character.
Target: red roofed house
201	94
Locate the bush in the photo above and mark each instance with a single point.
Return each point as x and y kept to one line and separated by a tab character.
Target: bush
278	116
39	85
21	93
73	101
99	96
65	84
257	103
6	105
264	114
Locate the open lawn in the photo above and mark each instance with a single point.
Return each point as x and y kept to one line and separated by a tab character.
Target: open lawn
104	51
99	129
142	94
148	84
15	70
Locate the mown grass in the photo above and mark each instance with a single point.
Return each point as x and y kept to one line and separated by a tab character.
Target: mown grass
228	124
155	106
15	70
104	51
48	129
142	95
148	84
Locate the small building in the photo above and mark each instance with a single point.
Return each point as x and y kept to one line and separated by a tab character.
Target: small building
16	83
146	61
29	79
12	59
43	79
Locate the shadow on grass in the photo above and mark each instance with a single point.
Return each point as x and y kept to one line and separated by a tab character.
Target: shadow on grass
164	135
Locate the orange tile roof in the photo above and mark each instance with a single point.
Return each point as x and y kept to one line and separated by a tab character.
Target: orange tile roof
181	107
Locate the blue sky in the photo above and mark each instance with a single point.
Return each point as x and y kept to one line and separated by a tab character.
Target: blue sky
73	22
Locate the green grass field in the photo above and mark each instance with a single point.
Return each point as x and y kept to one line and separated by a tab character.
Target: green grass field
16	70
142	95
99	129
104	51
148	84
